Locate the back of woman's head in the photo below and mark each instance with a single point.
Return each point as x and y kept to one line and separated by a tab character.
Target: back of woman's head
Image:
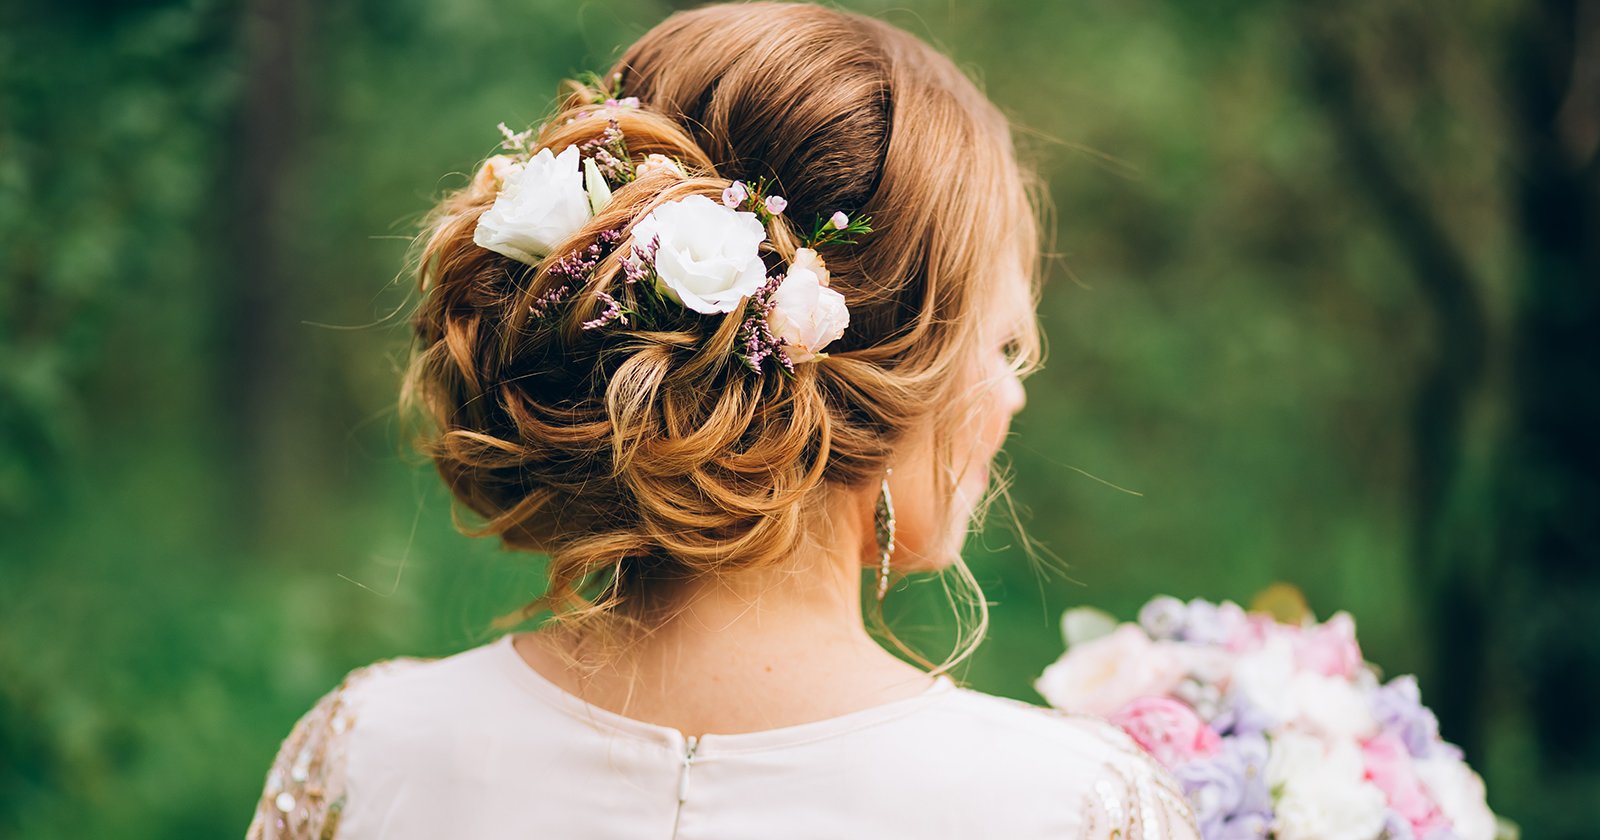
633	456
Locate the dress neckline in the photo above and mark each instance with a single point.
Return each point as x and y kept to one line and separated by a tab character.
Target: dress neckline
522	673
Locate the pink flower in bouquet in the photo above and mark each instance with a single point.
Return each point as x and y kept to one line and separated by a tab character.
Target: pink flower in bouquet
1276	731
1102	675
1389	767
1168	730
1329	648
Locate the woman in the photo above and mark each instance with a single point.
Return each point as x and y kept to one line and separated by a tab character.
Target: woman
745	315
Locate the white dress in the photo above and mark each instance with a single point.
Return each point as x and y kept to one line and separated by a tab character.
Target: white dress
480	745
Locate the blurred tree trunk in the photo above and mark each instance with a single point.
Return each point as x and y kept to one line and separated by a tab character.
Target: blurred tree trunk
1451	571
1505	549
256	328
1548	480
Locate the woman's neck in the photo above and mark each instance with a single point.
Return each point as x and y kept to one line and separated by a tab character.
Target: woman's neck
742	650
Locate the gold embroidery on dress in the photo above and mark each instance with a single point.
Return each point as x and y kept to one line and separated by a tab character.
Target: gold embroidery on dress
304	793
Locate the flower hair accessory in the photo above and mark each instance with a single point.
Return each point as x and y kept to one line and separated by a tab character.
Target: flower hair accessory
693	253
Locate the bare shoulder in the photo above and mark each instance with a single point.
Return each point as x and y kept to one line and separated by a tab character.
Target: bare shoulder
304	791
1121	790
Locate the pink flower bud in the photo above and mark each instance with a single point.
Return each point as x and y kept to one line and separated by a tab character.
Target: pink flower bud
735	195
839	220
776	204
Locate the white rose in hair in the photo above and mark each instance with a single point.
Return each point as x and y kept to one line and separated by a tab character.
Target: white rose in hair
805	312
539	206
709	256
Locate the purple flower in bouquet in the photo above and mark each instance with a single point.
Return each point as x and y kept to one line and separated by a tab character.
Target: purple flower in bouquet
1240	716
1198	621
1214	786
1229	789
1398	707
1274	731
1164	617
1214	624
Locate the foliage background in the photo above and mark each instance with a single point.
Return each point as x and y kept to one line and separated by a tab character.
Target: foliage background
1324	303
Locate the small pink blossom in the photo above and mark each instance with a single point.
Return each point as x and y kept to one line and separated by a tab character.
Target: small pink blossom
735	195
776	204
839	220
1329	648
1168	730
1389	767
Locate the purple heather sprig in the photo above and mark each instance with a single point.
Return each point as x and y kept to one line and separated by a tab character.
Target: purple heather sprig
613	313
572	271
610	153
637	270
516	141
755	340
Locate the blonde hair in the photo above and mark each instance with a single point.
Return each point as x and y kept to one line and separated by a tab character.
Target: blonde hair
631	457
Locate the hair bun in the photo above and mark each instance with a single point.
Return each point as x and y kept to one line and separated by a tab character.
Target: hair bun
629	453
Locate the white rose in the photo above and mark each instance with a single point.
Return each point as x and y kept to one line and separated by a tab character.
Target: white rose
709	256
540	205
805	312
1323	791
1460	794
1100	676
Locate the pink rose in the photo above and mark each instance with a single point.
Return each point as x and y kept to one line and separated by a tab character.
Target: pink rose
1329	648
1104	674
1389	767
1168	730
1252	633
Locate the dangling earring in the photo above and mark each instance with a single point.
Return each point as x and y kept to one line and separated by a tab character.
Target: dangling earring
883	520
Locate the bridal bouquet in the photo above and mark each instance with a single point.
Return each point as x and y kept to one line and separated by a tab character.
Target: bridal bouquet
1274	730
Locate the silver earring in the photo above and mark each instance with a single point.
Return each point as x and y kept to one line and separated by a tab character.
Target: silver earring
883	520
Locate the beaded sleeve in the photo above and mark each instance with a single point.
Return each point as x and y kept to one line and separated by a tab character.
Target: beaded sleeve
305	787
1135	798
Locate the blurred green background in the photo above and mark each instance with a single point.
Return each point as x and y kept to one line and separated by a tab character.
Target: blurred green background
1323	311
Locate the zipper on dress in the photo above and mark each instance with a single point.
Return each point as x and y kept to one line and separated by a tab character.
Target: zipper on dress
688	762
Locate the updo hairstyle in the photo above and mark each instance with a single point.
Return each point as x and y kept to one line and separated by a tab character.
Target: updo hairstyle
632	457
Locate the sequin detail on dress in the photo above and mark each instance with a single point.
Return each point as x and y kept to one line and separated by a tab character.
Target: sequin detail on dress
304	792
1132	796
1136	798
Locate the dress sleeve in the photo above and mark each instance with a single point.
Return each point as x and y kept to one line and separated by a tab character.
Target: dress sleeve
305	787
1135	798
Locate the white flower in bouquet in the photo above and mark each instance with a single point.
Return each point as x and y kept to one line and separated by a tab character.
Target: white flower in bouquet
1101	676
1460	795
1275	731
1323	793
1330	706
